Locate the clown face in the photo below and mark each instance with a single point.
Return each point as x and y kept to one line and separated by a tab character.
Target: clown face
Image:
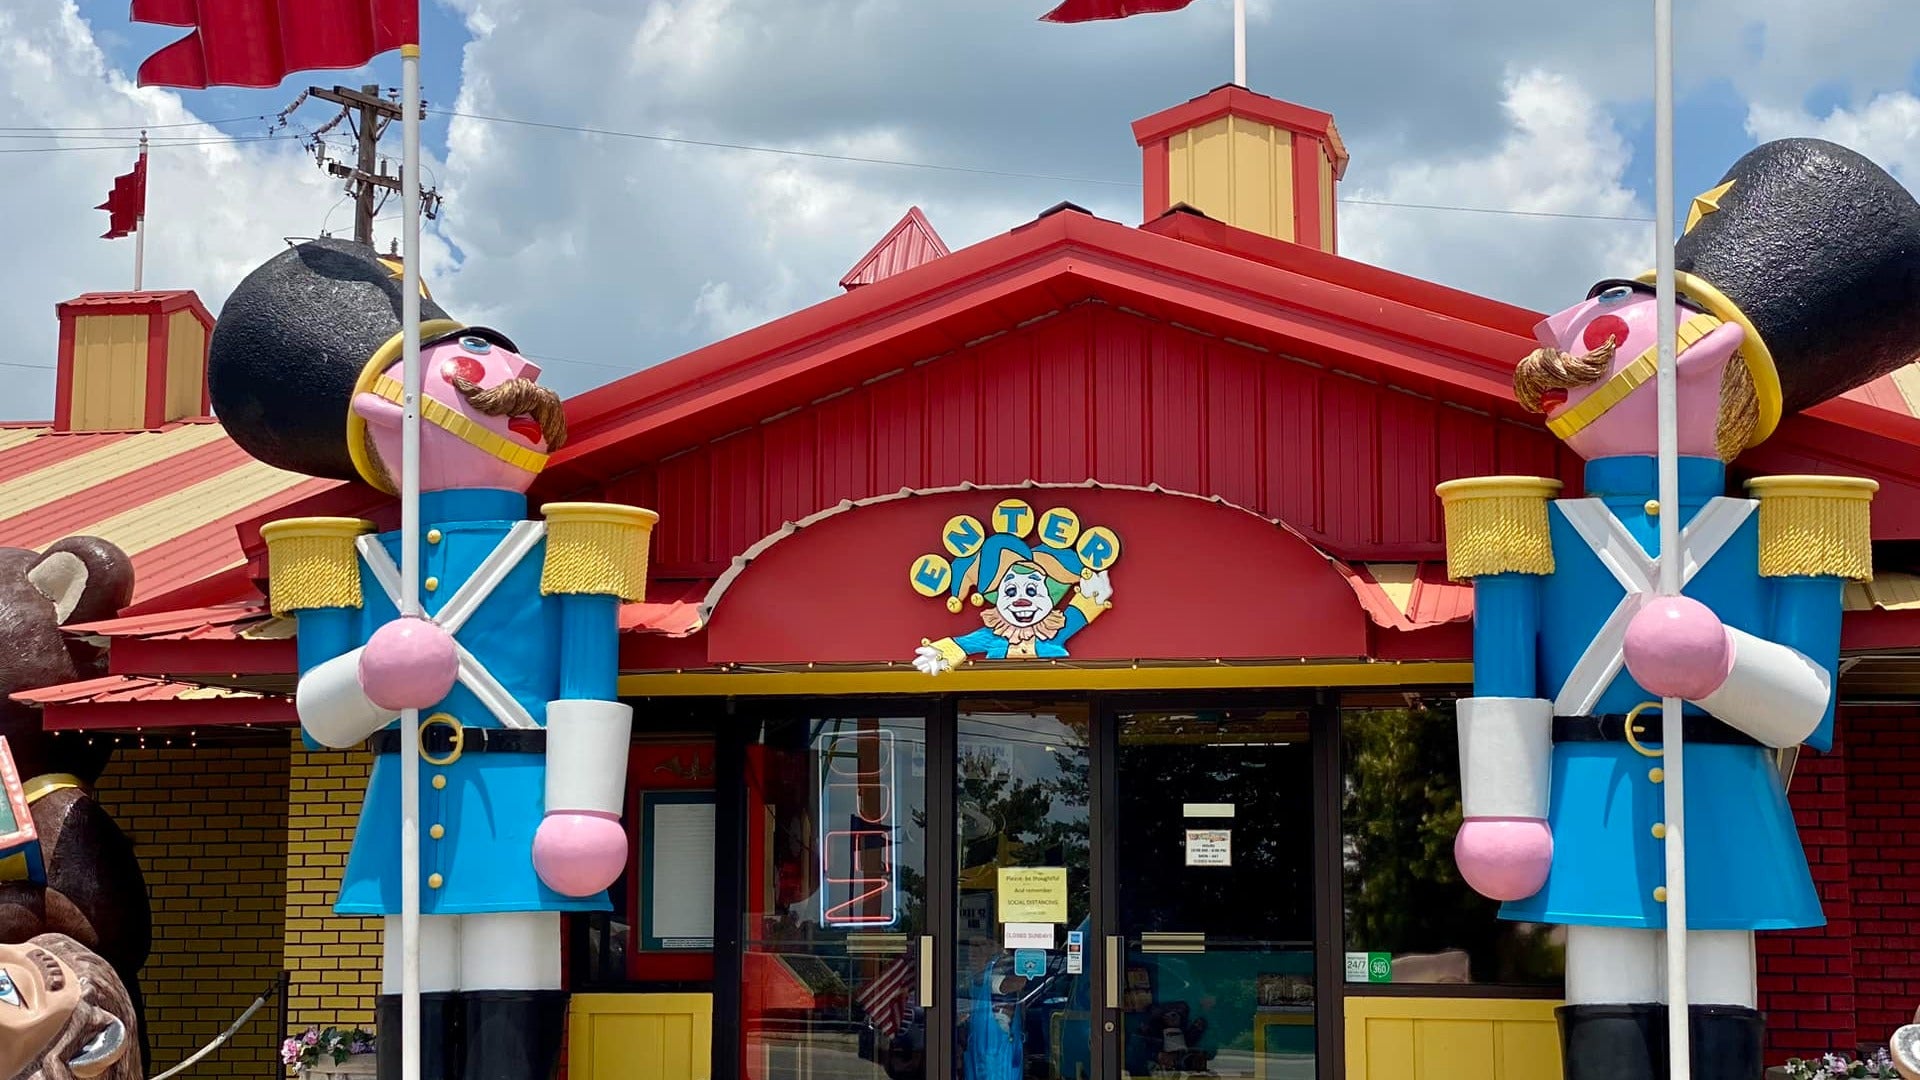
486	422
1594	376
1023	599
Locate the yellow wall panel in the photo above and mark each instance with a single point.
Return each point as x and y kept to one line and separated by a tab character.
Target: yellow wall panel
109	372
1328	241
1235	170
640	1037
186	365
1445	1038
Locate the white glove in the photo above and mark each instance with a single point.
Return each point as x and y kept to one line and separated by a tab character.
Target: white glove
1098	588
928	660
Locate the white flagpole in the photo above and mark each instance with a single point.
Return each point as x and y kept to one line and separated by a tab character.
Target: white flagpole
410	556
1672	762
140	221
1239	42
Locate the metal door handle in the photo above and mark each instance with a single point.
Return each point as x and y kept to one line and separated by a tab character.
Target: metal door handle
926	971
1113	971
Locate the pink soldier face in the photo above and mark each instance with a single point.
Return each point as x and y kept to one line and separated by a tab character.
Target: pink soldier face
503	399
1626	316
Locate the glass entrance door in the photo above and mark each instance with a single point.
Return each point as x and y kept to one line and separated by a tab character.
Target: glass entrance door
1210	958
1023	976
836	938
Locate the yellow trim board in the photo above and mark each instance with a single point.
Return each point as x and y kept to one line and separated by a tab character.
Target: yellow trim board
996	676
1396	1038
640	1037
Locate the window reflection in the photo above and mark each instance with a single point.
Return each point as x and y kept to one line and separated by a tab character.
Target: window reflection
836	900
1405	901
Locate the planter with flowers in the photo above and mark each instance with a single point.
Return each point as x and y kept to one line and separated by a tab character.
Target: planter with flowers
1878	1066
329	1054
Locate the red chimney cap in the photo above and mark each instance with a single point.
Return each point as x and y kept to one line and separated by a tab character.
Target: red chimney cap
1239	101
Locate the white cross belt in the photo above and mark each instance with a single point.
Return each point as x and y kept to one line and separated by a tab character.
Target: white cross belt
1637	572
520	539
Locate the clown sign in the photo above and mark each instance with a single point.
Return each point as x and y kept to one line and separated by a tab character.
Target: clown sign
1044	576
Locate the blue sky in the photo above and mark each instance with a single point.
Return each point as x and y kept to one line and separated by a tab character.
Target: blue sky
605	255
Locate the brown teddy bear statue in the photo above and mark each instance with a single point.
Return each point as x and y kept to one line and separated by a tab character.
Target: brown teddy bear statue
68	869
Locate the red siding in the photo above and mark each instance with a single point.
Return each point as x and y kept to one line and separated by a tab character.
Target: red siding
1856	979
1099	393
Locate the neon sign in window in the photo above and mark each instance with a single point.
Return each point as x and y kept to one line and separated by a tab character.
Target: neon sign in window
858	883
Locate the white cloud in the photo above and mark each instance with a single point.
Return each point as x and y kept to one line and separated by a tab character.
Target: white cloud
1561	155
1886	130
216	208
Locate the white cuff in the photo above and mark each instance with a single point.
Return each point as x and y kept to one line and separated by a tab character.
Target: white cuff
1774	693
332	707
1506	756
587	744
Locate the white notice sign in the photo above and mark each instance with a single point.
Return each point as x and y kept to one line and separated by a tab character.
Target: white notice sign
1209	847
1029	935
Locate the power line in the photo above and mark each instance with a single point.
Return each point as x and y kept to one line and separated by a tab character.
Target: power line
858	160
818	155
140	127
156	144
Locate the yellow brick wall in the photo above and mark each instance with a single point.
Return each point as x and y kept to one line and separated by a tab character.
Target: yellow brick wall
209	826
334	961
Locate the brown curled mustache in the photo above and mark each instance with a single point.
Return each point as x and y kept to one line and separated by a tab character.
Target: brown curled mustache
520	397
1552	369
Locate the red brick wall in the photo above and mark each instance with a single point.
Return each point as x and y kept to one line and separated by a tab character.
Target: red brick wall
1858	978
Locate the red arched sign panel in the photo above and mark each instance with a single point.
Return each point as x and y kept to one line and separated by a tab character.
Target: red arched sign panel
1184	579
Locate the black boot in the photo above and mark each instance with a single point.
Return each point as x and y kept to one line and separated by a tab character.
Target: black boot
441	1022
1613	1042
514	1034
1727	1042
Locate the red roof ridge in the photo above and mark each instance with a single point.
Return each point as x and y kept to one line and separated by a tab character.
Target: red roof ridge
909	244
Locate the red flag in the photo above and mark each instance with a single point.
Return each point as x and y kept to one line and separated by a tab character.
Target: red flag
127	203
260	42
1075	11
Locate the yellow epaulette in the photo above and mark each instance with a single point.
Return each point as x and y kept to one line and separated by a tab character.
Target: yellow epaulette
596	549
311	563
1815	526
1497	525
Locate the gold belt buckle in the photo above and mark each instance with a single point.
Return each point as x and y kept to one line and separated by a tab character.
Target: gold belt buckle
1633	729
447	720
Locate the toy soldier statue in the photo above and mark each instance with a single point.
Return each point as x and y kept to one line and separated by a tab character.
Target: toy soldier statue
1799	279
513	668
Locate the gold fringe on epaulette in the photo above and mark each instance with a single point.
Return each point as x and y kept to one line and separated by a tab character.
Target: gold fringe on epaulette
311	563
1497	525
597	549
1815	526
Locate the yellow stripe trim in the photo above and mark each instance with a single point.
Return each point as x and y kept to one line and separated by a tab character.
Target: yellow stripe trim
12	437
462	427
95	467
155	523
40	787
1629	379
383	358
1759	358
1000	675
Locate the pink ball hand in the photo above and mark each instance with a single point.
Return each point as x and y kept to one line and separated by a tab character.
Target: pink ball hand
1677	647
409	663
1504	858
579	852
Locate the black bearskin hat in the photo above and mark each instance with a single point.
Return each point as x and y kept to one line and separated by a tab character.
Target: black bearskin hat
1816	252
293	342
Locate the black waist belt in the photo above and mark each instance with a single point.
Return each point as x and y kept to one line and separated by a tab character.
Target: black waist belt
1647	728
437	741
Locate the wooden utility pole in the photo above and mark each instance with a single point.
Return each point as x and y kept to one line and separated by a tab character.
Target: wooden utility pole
370	114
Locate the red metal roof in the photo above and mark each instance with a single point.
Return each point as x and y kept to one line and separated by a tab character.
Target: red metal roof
172	498
121	701
908	244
